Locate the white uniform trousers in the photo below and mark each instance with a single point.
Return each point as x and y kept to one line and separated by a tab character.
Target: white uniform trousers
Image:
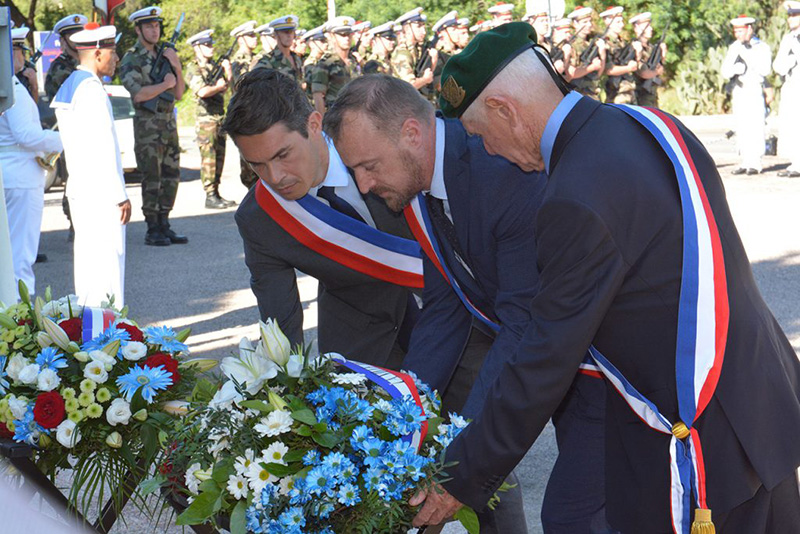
24	207
749	112
789	120
99	251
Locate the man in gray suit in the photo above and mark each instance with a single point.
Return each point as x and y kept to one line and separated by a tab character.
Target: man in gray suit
361	252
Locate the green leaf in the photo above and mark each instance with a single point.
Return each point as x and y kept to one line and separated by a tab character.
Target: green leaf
150	441
152	485
468	519
280	470
201	509
223	470
304	416
295	455
138	402
326	439
261	406
204	390
304	431
296	404
320	428
238	519
208	485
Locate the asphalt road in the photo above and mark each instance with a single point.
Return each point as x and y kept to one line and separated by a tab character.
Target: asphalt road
204	284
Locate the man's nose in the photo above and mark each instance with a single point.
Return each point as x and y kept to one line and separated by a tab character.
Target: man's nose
364	183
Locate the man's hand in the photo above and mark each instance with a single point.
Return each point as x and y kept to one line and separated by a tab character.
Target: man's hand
172	57
170	80
439	506
124	212
427	76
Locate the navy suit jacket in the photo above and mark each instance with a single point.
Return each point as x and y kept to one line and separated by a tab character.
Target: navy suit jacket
609	235
493	204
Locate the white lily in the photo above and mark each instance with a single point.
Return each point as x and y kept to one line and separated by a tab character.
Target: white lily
275	343
56	333
250	368
225	397
294	367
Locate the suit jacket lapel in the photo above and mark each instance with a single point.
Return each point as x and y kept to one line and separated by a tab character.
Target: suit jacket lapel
572	124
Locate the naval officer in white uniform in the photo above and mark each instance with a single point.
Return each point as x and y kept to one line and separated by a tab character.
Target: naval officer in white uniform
96	186
21	141
787	64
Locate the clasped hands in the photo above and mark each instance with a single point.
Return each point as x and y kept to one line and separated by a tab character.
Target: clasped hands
439	506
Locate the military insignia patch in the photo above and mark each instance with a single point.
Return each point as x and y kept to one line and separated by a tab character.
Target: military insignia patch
76	19
452	92
153	11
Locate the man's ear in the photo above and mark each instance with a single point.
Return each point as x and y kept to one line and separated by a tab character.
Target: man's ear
314	123
411	134
503	108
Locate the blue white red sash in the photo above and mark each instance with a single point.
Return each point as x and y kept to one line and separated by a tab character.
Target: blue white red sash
703	315
343	239
398	385
95	321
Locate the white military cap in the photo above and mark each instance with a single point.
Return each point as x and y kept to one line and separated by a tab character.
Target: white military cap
300	32
362	26
482	25
94	36
533	15
146	15
70	23
315	34
562	23
463	22
265	29
244	29
340	25
18	36
415	15
641	17
451	19
501	7
384	30
289	22
792	8
612	12
742	20
203	37
580	12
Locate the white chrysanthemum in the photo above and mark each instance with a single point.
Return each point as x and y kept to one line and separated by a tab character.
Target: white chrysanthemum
274	424
243	463
384	406
258	477
119	412
192	482
96	372
67	434
237	486
29	373
275	453
134	351
48	380
353	379
16	364
285	485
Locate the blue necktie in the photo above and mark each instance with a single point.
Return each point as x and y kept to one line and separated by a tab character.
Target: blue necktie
338	203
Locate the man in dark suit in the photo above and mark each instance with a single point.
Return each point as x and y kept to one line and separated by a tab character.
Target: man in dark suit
476	223
611	244
286	222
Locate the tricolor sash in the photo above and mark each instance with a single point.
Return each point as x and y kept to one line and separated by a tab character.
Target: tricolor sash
343	239
95	321
396	384
420	223
703	314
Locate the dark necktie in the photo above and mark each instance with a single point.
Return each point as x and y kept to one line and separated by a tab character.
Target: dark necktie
443	223
338	203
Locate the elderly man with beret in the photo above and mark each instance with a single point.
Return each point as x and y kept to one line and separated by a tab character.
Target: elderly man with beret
641	265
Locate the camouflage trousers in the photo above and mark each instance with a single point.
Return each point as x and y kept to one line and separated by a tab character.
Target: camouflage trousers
646	98
625	93
247	175
211	142
158	159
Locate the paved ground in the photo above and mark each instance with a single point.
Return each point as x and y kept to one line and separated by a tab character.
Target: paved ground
204	285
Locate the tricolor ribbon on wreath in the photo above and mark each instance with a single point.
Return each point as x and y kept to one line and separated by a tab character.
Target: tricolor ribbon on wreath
343	239
95	321
703	315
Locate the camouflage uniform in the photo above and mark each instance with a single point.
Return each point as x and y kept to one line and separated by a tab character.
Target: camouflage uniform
404	61
620	89
240	65
276	60
376	64
155	137
59	70
208	127
330	75
647	90
589	85
308	66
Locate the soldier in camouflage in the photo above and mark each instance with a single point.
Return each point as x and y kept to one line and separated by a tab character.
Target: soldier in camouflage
379	60
208	82
66	62
282	58
621	60
155	133
585	78
317	47
647	80
337	67
361	37
247	40
561	47
268	42
407	54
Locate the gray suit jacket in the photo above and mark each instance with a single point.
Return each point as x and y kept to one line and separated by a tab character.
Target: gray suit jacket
359	316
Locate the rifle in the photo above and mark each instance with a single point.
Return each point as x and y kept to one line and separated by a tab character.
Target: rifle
36	55
161	68
735	82
655	58
592	50
425	57
219	71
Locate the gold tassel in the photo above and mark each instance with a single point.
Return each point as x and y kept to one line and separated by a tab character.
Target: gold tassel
702	522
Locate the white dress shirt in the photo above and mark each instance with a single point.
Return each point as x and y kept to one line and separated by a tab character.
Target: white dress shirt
438	189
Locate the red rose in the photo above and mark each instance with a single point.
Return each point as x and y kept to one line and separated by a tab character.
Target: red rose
170	365
73	328
49	409
135	333
5	432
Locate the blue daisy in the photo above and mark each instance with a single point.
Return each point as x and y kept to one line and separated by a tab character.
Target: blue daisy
150	379
109	335
348	495
292	517
27	430
3	382
165	338
50	358
320	480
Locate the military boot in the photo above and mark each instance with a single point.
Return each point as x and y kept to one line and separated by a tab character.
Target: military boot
154	235
216	202
172	237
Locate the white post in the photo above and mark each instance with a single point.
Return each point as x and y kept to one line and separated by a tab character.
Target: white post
8	286
331	9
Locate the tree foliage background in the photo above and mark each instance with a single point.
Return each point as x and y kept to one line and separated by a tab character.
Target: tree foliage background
698	36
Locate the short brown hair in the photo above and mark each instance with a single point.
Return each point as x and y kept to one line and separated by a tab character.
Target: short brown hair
388	102
264	98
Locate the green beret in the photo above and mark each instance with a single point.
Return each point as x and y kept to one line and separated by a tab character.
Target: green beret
468	73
